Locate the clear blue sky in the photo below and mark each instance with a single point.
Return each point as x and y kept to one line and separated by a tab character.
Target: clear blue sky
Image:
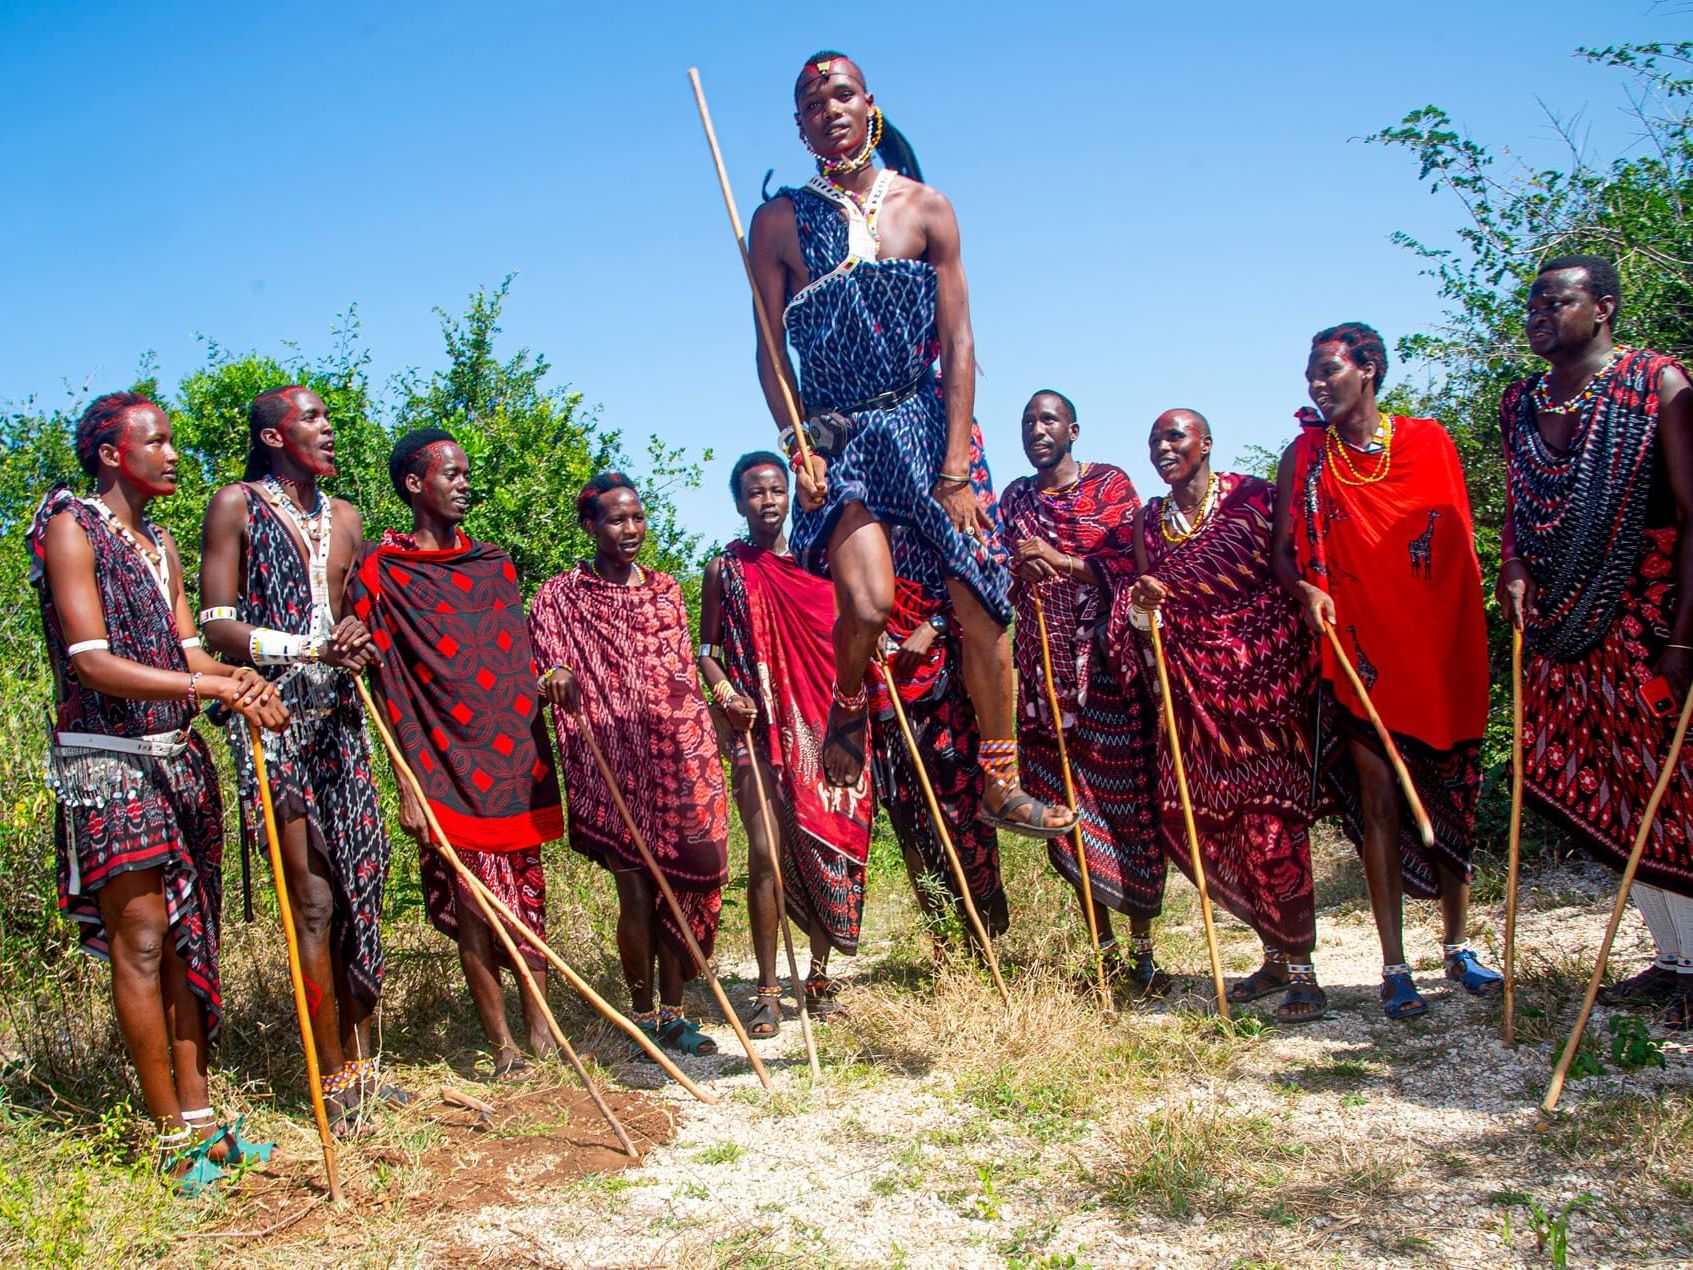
1159	203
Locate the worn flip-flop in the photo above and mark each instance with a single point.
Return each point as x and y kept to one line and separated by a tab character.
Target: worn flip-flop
1302	992
1256	985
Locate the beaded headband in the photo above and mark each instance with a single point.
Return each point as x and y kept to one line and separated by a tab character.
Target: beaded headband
826	67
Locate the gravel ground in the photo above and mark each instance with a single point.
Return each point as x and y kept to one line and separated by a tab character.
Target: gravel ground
1408	1150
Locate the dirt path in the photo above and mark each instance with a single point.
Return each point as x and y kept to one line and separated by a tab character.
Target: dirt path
1354	1140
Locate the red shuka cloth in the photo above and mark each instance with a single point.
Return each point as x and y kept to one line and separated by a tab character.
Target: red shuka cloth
1398	558
791	614
458	685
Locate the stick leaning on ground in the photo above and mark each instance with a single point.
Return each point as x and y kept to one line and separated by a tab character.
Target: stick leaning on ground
1424	828
1155	624
766	332
1070	797
1514	851
296	976
700	962
495	903
941	831
782	912
1666	774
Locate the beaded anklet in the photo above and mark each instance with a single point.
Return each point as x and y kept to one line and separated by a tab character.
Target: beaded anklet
851	704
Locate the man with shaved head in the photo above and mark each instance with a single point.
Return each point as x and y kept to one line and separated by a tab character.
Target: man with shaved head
863	264
1066	511
1242	674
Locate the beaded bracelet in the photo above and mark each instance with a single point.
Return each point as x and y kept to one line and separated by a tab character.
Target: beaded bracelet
194	688
948	476
723	692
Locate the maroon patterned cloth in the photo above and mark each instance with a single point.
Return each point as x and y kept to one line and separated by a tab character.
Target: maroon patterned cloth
319	766
630	651
944	724
138	813
1243	679
1591	751
515	878
1108	719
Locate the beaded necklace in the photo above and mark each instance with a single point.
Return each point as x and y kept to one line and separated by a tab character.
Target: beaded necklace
158	564
637	577
1183	529
1064	490
863	242
314	527
1340	461
1577	402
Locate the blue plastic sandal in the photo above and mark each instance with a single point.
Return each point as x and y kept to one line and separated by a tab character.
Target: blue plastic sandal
1477	979
1400	999
242	1151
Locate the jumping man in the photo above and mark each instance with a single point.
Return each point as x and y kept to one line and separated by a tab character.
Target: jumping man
864	267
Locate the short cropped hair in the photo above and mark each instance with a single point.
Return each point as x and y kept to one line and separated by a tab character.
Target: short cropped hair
408	457
747	462
1363	344
1601	280
1053	392
588	501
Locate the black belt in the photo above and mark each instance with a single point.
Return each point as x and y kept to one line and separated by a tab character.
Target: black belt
828	431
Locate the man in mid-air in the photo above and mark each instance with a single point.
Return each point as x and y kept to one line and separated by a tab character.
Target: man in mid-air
863	266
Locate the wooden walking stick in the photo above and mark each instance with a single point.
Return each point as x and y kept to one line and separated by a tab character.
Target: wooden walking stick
766	331
941	831
1155	622
1418	814
520	968
704	966
1070	797
296	976
489	900
1514	850
1665	775
782	911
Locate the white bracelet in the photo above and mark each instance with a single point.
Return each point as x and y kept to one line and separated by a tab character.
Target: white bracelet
88	646
221	613
267	647
1143	619
193	641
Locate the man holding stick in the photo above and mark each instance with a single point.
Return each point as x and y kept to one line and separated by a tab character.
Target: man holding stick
1596	565
1052	520
1373	537
1242	676
139	830
766	660
276	553
613	638
458	683
864	265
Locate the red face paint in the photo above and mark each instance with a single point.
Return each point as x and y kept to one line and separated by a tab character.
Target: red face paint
313	456
147	469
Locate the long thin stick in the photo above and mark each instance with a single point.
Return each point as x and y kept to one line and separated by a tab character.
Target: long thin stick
1187	817
939	821
704	966
1514	851
476	886
782	910
1418	814
296	975
527	979
765	330
1070	797
1665	775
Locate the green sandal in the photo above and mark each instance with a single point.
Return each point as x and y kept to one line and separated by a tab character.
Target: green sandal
179	1147
683	1035
241	1151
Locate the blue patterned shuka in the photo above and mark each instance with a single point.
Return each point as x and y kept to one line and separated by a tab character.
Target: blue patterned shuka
865	333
